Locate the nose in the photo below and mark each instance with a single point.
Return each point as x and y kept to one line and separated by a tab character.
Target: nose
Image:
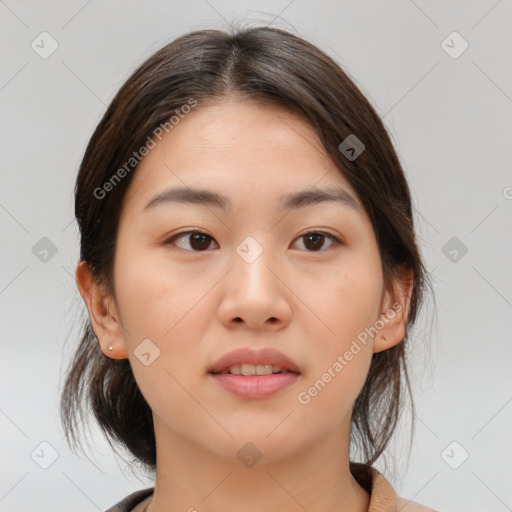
255	294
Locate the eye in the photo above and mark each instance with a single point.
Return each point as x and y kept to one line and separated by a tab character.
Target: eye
315	240
199	241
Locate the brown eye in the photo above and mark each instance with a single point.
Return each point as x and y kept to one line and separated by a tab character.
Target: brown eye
197	240
314	240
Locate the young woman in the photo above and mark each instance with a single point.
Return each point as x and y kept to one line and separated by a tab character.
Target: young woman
249	264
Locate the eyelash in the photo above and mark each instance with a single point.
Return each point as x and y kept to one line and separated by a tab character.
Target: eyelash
175	237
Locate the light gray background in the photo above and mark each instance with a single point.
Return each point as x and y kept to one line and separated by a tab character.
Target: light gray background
450	119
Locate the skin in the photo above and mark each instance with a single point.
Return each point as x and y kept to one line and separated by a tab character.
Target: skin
198	306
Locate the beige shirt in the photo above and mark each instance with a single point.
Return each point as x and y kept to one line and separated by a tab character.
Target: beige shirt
383	497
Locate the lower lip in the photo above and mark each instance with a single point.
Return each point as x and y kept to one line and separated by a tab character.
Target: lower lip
255	386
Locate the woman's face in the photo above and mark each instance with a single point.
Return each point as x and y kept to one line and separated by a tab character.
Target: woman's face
249	278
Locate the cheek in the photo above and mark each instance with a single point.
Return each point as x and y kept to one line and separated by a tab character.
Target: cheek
156	297
348	308
350	303
163	304
357	305
338	371
332	390
164	310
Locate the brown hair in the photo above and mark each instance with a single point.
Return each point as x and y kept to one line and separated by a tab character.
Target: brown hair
268	66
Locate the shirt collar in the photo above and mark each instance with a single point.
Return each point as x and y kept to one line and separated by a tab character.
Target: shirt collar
383	497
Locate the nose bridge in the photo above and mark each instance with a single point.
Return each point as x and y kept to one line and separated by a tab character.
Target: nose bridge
253	293
251	264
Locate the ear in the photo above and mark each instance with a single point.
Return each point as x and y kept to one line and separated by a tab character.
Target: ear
102	312
392	323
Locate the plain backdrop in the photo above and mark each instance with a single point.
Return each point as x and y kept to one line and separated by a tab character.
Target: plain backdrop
439	73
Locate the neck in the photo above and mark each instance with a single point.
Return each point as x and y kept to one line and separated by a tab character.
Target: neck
192	478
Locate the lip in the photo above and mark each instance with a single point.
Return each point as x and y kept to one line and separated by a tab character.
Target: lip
257	357
255	386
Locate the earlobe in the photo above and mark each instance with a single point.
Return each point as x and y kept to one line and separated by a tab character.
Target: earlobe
392	322
102	313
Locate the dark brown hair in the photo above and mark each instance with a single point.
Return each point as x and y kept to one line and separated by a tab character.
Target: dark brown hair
268	66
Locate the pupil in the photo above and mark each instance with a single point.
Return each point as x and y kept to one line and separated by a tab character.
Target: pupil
196	238
317	237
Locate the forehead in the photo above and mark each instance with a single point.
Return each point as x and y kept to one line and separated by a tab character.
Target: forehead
237	147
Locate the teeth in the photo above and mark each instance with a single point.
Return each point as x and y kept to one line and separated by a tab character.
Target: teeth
252	369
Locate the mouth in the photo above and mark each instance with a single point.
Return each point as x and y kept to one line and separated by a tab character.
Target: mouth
246	361
252	369
255	374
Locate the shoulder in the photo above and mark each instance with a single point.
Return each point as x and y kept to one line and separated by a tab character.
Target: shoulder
383	497
131	501
405	505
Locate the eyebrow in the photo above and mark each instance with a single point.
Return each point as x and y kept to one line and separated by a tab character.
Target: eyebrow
293	201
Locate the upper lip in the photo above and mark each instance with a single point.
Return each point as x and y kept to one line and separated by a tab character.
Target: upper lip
257	357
